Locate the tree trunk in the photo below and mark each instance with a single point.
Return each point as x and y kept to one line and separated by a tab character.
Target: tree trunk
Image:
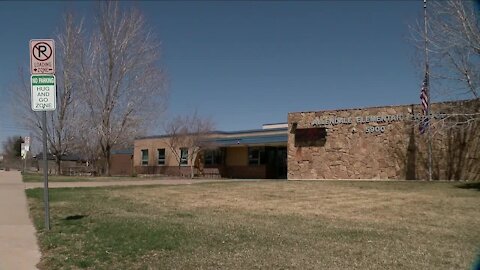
106	155
58	162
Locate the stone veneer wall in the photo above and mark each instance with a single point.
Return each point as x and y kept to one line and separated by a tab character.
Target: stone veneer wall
399	152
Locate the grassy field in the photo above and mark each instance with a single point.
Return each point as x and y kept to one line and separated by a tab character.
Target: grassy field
262	225
37	177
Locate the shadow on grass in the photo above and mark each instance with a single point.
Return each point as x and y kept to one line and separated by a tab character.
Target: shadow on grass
75	217
475	185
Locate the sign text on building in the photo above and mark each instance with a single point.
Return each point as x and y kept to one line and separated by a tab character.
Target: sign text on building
370	119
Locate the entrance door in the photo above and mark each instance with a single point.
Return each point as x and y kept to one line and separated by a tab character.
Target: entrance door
276	162
282	162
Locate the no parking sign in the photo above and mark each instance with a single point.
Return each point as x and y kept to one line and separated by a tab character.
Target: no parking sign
42	56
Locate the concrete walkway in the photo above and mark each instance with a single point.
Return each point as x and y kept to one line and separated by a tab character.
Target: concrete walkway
18	243
131	183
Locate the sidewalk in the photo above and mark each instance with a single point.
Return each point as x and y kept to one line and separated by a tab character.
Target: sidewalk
18	243
132	183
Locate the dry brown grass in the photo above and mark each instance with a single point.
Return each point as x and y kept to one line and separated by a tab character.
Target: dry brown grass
417	205
290	225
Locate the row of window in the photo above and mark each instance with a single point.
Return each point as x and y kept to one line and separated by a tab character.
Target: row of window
256	156
161	156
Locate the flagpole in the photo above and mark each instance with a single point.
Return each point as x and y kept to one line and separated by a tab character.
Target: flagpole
428	93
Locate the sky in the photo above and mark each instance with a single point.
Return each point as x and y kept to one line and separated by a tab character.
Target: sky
247	63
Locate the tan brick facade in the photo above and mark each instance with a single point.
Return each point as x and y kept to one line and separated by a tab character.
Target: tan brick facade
152	145
170	166
232	158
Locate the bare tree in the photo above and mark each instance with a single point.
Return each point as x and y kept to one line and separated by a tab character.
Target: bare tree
86	147
12	151
453	36
190	132
175	130
123	86
196	141
61	123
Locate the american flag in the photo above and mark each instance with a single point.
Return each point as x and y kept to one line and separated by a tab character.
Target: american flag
424	99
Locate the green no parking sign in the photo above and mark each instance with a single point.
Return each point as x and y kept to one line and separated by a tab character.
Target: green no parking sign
43	92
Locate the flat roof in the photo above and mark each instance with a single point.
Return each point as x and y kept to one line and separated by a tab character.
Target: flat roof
251	140
227	133
127	151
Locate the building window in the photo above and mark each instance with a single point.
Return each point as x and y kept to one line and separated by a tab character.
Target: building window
144	156
213	157
256	156
183	156
161	156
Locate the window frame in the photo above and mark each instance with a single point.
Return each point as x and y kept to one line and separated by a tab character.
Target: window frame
212	157
143	161
183	160
260	160
161	161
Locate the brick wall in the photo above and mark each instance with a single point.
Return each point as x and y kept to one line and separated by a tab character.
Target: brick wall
245	172
164	170
121	164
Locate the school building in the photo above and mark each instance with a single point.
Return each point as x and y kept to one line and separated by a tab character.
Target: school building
257	153
364	143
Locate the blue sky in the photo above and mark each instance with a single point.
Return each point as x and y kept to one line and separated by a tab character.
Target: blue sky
248	63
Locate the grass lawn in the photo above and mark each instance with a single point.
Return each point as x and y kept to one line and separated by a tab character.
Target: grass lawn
38	177
262	225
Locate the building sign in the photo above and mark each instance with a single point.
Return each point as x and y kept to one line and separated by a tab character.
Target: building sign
42	56
372	119
43	92
310	136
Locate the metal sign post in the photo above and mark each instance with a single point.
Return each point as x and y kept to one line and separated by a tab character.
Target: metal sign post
45	172
43	90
